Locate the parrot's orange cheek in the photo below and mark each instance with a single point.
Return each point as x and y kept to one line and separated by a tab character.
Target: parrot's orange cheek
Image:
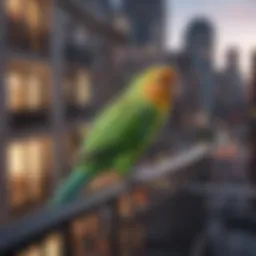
159	96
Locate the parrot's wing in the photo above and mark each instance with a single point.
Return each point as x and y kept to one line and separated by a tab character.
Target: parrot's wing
121	128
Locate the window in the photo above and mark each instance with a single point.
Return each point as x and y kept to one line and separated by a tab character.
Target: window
32	22
53	246
16	91
28	24
14	9
83	93
27	87
16	164
34	92
77	88
28	165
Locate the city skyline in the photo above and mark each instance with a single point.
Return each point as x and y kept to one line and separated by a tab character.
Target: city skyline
234	22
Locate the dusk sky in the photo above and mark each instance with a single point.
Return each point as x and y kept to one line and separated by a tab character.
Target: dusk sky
234	20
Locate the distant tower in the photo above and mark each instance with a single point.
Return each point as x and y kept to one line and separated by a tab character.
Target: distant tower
233	81
199	46
147	20
232	58
199	39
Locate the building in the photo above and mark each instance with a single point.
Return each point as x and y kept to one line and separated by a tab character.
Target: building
231	82
199	46
197	75
147	20
47	98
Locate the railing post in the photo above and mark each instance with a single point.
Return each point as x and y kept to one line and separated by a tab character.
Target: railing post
115	229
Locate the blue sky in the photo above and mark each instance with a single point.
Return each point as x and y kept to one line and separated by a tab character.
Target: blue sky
234	20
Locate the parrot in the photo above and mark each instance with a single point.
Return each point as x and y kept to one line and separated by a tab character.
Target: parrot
123	130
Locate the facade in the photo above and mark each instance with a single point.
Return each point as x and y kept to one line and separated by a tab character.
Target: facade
47	100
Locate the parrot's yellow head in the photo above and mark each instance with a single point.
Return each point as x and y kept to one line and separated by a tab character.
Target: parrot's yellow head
158	85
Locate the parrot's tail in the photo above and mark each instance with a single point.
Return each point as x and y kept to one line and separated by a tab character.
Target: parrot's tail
71	187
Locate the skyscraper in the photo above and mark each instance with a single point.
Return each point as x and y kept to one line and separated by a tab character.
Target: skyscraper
232	83
199	47
147	20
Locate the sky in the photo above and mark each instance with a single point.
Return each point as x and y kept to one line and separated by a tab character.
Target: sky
234	21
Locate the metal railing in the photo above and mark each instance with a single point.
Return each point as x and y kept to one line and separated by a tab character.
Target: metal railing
35	227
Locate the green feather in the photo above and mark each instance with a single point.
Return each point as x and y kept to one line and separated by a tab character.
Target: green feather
72	186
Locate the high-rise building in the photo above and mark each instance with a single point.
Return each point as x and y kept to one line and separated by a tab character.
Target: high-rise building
199	47
231	83
147	20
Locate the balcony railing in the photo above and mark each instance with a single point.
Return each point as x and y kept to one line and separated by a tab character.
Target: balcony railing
36	227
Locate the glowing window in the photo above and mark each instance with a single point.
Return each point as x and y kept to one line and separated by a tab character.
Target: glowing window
16	164
34	93
16	91
53	246
83	92
28	165
14	8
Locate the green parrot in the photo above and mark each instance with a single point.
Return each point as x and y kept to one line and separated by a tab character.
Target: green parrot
123	130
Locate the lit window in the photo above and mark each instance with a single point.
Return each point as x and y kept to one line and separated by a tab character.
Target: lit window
34	92
53	246
16	164
33	22
27	86
14	8
34	175
28	164
83	92
32	15
16	91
